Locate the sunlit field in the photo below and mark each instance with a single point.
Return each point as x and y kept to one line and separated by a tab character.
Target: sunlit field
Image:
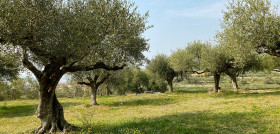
192	108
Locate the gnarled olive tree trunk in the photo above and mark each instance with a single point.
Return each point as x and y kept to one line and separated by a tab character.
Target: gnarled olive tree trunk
50	111
217	77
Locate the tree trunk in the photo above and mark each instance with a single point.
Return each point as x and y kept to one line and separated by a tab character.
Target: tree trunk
181	74
234	82
217	77
233	76
170	85
50	111
108	90
93	96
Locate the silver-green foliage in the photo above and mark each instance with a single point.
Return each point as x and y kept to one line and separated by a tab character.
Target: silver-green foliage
9	64
188	59
74	32
251	25
215	60
160	66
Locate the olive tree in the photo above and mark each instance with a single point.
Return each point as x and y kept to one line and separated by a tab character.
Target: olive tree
58	37
120	82
180	60
156	84
252	64
251	25
269	63
92	79
160	66
215	61
218	59
188	59
140	80
248	27
241	60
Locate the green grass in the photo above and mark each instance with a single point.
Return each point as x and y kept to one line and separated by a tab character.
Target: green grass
188	110
191	109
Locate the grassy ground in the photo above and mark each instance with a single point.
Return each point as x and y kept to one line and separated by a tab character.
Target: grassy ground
191	109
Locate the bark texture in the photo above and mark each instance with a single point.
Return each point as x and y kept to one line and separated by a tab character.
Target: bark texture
50	111
217	77
170	85
93	96
234	82
233	76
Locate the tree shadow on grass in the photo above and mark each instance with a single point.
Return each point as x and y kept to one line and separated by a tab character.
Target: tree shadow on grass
68	104
17	111
192	89
233	94
184	123
262	88
25	110
145	101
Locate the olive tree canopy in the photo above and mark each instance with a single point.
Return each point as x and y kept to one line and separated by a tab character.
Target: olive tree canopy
160	66
251	25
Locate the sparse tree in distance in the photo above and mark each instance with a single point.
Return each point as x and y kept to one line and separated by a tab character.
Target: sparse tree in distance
269	63
92	79
188	60
140	81
160	66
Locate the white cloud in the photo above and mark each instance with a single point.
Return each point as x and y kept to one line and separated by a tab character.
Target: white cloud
206	11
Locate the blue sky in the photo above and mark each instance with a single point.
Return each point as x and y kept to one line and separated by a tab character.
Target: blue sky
177	22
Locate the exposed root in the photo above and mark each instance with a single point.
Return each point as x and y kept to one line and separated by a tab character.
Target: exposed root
54	128
41	129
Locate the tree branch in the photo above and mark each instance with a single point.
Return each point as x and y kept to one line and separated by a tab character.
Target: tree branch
91	80
273	51
83	83
198	72
97	65
103	80
30	66
96	78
